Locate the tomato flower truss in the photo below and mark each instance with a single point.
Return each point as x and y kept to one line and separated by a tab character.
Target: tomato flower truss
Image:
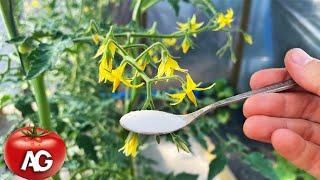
155	63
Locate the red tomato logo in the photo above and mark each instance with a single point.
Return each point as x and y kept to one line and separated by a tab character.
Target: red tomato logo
34	153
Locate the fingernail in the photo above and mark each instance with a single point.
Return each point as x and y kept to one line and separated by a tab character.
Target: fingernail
300	57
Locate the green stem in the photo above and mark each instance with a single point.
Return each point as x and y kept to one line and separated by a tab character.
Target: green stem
210	6
168	78
136	11
135	46
6	7
178	34
42	101
149	101
149	48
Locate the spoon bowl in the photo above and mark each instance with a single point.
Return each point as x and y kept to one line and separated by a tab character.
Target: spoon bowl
152	122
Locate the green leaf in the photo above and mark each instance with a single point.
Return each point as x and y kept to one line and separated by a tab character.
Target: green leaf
17	40
234	106
175	6
223	115
87	144
4	100
183	176
217	164
23	104
220	84
259	163
227	92
45	56
180	143
285	170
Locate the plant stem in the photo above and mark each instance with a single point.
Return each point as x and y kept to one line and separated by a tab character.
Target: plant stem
6	7
178	78
146	35
42	101
149	48
7	16
135	46
210	6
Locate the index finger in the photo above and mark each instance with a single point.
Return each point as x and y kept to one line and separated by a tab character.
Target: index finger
267	77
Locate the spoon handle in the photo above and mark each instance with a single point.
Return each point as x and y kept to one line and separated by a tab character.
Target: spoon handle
282	86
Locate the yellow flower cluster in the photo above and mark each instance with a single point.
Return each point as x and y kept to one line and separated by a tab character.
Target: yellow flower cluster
106	72
158	57
189	26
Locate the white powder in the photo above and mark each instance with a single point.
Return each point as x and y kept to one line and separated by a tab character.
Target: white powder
152	122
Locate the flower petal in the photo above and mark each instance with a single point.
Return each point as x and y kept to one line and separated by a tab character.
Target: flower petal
206	88
127	82
116	83
191	85
185	45
178	97
192	98
100	51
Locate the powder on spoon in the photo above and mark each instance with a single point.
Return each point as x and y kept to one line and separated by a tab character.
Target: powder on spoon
152	122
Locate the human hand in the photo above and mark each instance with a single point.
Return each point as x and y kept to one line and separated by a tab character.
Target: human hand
290	120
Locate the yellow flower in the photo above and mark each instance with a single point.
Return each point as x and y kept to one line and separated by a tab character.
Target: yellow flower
224	20
107	50
153	56
131	145
247	38
96	38
185	45
155	59
35	4
116	76
191	25
142	63
169	41
103	70
168	66
188	91
86	9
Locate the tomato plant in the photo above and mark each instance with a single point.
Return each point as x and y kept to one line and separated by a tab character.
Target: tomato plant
33	139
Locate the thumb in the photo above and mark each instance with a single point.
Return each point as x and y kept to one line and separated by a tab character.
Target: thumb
304	69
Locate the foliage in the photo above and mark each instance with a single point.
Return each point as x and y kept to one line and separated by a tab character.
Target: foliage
285	170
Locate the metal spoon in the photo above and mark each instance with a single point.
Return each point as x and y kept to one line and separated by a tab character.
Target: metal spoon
152	122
